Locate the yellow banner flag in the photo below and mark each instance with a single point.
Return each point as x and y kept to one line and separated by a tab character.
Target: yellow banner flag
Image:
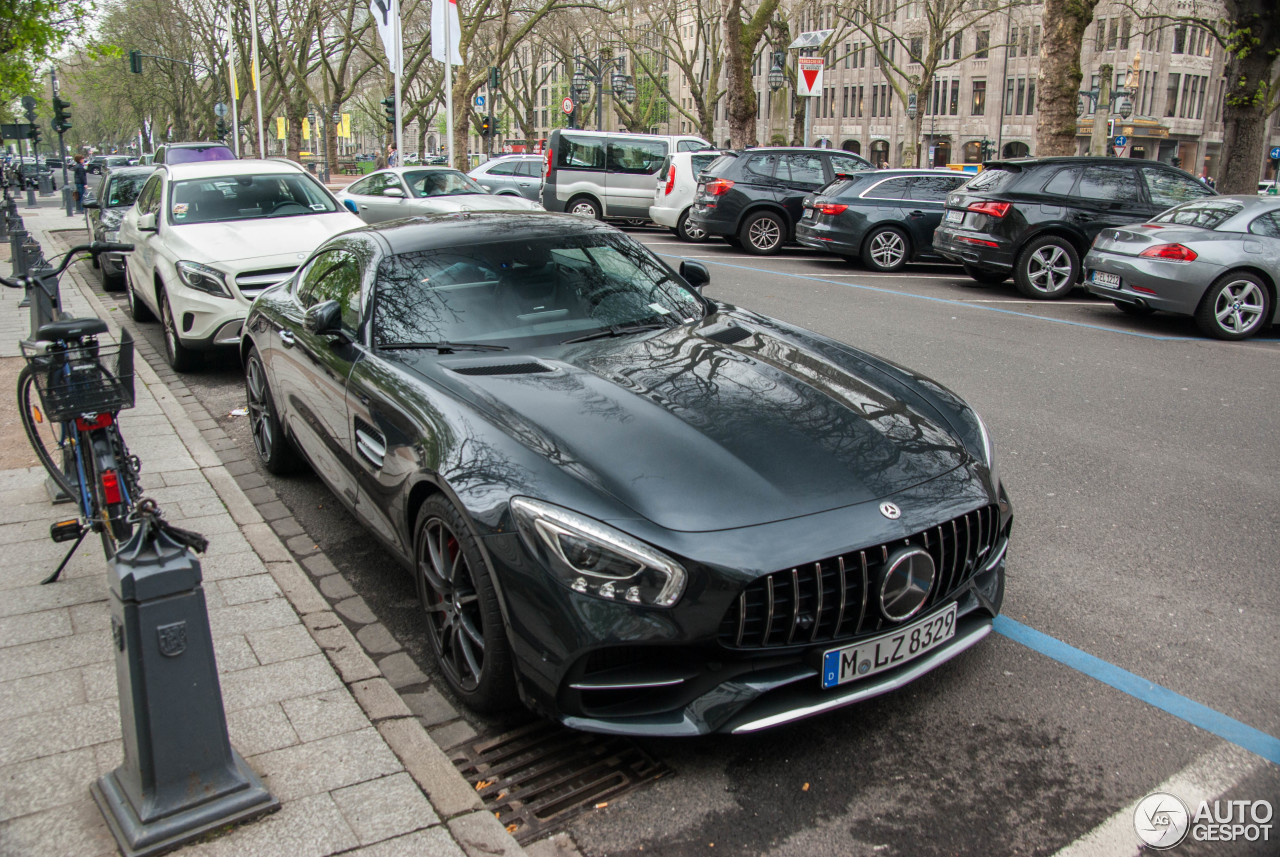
345	128
279	127
235	83
306	129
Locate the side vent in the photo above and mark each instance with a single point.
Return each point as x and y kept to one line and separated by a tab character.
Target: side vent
729	335
502	369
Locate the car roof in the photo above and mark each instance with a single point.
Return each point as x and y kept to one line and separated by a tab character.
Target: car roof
239	167
439	231
140	170
1072	159
195	144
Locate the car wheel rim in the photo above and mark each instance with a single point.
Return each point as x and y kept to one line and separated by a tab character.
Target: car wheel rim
584	209
259	414
695	233
452	603
764	234
888	249
129	297
1049	269
1239	306
170	332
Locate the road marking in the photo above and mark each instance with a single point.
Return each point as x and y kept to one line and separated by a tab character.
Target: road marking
1024	301
1187	710
1208	777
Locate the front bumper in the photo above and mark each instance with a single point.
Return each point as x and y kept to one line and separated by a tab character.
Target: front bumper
1175	287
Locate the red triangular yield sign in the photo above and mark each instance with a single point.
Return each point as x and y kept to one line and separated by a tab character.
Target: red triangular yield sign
810	75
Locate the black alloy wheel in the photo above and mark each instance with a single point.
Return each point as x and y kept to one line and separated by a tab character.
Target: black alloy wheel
180	357
138	311
1236	306
1047	269
688	232
275	451
464	622
762	233
886	249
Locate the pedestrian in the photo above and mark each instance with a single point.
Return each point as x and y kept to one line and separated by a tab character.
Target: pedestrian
393	157
380	162
82	183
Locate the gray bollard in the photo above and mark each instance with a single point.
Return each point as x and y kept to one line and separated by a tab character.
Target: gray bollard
17	251
180	778
46	184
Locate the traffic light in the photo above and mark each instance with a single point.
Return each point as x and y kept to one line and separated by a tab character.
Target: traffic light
61	115
29	105
222	129
389	105
495	79
35	135
135	61
486	126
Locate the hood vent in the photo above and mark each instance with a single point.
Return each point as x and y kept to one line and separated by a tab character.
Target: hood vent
729	335
529	368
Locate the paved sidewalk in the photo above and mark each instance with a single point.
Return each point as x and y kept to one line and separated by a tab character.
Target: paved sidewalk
353	768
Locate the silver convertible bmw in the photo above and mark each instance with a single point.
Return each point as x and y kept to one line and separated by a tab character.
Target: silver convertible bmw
1215	259
631	507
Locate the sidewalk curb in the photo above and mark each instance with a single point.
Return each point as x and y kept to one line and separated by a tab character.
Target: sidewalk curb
478	832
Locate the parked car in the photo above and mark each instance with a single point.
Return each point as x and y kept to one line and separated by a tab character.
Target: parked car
511	175
753	198
1267	186
609	174
103	212
674	191
185	153
210	236
99	164
31	170
1217	260
405	191
505	401
1035	218
883	218
56	164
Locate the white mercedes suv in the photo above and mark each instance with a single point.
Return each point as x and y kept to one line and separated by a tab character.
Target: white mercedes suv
209	236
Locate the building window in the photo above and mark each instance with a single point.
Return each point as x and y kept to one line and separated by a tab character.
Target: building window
1101	36
917	48
1035	41
978	105
955	98
858	104
1113	33
1013	40
1171	95
848	51
982	44
1022	91
1031	96
1179	40
1008	97
1124	33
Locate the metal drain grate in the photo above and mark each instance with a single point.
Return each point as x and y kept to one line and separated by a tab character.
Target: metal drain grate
540	776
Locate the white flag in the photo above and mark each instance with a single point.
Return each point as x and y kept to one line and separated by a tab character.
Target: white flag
386	14
439	24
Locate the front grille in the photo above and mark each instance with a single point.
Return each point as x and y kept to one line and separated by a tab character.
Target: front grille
834	599
252	283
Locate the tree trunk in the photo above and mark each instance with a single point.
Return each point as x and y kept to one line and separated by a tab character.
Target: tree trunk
741	39
1244	111
1058	85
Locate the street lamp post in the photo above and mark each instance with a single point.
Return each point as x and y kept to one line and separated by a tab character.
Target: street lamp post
1119	100
913	111
591	71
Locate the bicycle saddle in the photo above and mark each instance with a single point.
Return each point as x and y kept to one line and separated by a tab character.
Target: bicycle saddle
71	328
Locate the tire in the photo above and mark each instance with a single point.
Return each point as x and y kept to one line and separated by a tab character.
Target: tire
763	234
692	234
985	276
584	206
275	450
111	520
180	357
1047	269
886	249
42	436
464	621
138	311
1134	309
1236	306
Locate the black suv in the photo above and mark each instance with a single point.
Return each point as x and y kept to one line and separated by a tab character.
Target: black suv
1035	218
754	197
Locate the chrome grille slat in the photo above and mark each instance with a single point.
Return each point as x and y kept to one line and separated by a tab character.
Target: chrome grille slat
759	618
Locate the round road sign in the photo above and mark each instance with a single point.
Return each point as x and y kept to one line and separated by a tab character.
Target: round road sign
567	105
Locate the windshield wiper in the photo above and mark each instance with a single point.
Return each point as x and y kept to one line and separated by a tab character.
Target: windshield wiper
445	347
617	330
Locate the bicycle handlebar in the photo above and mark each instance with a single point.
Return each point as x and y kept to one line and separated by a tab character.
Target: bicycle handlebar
96	248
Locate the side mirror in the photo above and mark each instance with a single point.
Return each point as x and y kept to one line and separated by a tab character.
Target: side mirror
394	192
351	206
695	274
324	318
89	203
147	222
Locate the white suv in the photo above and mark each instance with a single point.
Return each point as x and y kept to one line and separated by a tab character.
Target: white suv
209	236
676	187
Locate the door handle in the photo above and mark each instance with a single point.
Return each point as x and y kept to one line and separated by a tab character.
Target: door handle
286	338
917	213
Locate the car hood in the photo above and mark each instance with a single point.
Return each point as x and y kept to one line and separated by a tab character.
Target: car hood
244	240
698	435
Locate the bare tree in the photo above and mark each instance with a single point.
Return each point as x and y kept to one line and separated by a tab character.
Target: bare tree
1058	85
742	35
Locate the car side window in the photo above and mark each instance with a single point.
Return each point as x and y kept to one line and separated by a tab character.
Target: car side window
639	157
1062	182
689	146
149	199
898	188
505	168
1109	184
760	166
934	188
1267	225
529	169
1168	188
580	153
334	275
801	168
364	186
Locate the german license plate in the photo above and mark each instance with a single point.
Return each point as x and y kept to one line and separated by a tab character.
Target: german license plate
1102	278
954	216
887	651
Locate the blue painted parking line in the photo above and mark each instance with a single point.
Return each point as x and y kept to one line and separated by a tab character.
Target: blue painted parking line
964	304
1214	722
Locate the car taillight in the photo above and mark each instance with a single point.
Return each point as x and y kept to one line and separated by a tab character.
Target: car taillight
671	179
110	486
995	209
1170	253
718	187
547	171
830	208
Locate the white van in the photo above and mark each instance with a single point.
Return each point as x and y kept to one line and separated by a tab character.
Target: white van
606	174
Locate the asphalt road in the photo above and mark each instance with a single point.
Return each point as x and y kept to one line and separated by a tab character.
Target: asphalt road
1139	457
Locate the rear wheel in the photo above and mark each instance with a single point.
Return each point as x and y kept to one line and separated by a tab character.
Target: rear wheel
885	249
43	435
274	449
1236	306
463	618
985	275
762	234
584	206
686	231
1047	269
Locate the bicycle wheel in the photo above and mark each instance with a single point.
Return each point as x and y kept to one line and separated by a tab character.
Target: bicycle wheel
44	435
107	474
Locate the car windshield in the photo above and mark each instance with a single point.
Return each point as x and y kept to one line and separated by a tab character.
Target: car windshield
123	190
226	198
558	287
1207	214
191	154
423	183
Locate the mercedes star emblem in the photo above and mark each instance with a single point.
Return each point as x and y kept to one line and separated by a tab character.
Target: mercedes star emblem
890	511
908	577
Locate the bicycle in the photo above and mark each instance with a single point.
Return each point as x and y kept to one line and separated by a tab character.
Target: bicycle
80	387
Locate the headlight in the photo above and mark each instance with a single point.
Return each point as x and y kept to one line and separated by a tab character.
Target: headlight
204	278
595	559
